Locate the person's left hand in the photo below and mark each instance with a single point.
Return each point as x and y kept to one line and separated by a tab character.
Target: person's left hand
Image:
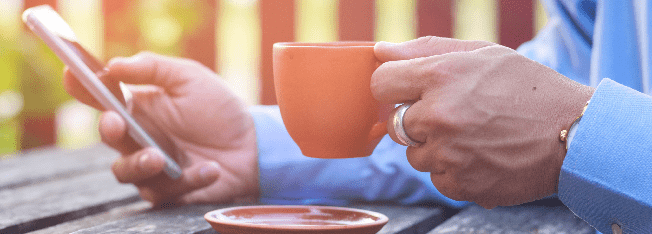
187	108
488	118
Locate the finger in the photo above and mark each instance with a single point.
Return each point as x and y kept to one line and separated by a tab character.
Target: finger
77	90
424	47
408	80
448	186
415	123
399	81
161	189
150	68
138	167
114	132
396	125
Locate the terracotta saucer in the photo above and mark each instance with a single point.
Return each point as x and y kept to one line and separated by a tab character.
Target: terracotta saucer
295	219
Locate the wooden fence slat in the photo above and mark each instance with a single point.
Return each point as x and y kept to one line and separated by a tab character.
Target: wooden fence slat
516	22
38	129
356	20
277	23
121	32
516	219
201	46
435	18
33	3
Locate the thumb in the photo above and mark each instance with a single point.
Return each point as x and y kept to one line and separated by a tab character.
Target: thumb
424	47
150	68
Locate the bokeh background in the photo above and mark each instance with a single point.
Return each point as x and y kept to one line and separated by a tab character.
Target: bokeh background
232	37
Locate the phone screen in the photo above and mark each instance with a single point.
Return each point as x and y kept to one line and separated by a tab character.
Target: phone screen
55	32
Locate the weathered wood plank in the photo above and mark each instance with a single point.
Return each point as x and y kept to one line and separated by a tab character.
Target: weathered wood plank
184	219
111	215
517	219
408	219
190	219
49	164
47	204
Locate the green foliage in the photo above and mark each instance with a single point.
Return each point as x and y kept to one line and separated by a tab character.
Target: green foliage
41	79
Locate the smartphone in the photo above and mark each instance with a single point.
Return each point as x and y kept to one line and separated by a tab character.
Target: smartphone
57	34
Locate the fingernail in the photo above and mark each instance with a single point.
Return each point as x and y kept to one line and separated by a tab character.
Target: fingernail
112	119
148	161
114	61
209	171
144	160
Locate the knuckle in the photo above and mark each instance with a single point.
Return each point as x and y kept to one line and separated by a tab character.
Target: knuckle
433	70
148	55
444	118
496	50
429	40
195	63
480	44
380	80
430	122
418	126
434	41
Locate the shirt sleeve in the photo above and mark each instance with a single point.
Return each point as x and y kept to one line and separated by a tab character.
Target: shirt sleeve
606	177
288	177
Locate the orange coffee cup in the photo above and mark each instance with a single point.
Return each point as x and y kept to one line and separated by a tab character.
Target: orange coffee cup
323	92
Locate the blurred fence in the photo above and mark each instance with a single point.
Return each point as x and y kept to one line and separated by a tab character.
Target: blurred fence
232	37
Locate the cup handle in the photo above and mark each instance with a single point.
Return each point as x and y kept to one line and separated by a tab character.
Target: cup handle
377	131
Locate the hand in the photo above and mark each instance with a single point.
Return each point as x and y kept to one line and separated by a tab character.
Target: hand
488	118
185	107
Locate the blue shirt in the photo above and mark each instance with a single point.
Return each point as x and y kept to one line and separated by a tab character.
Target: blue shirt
606	177
607	173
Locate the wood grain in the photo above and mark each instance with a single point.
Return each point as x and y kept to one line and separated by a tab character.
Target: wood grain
409	219
50	163
89	221
190	219
47	204
517	219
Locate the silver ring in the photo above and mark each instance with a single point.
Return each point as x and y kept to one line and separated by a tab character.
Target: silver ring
400	129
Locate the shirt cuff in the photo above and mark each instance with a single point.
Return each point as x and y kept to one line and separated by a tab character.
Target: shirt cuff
606	176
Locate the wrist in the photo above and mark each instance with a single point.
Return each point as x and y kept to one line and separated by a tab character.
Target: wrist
574	105
578	102
566	135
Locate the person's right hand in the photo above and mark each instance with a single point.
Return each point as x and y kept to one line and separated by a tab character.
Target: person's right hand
186	108
488	119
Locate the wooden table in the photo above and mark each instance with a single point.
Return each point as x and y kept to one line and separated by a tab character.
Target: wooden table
60	191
